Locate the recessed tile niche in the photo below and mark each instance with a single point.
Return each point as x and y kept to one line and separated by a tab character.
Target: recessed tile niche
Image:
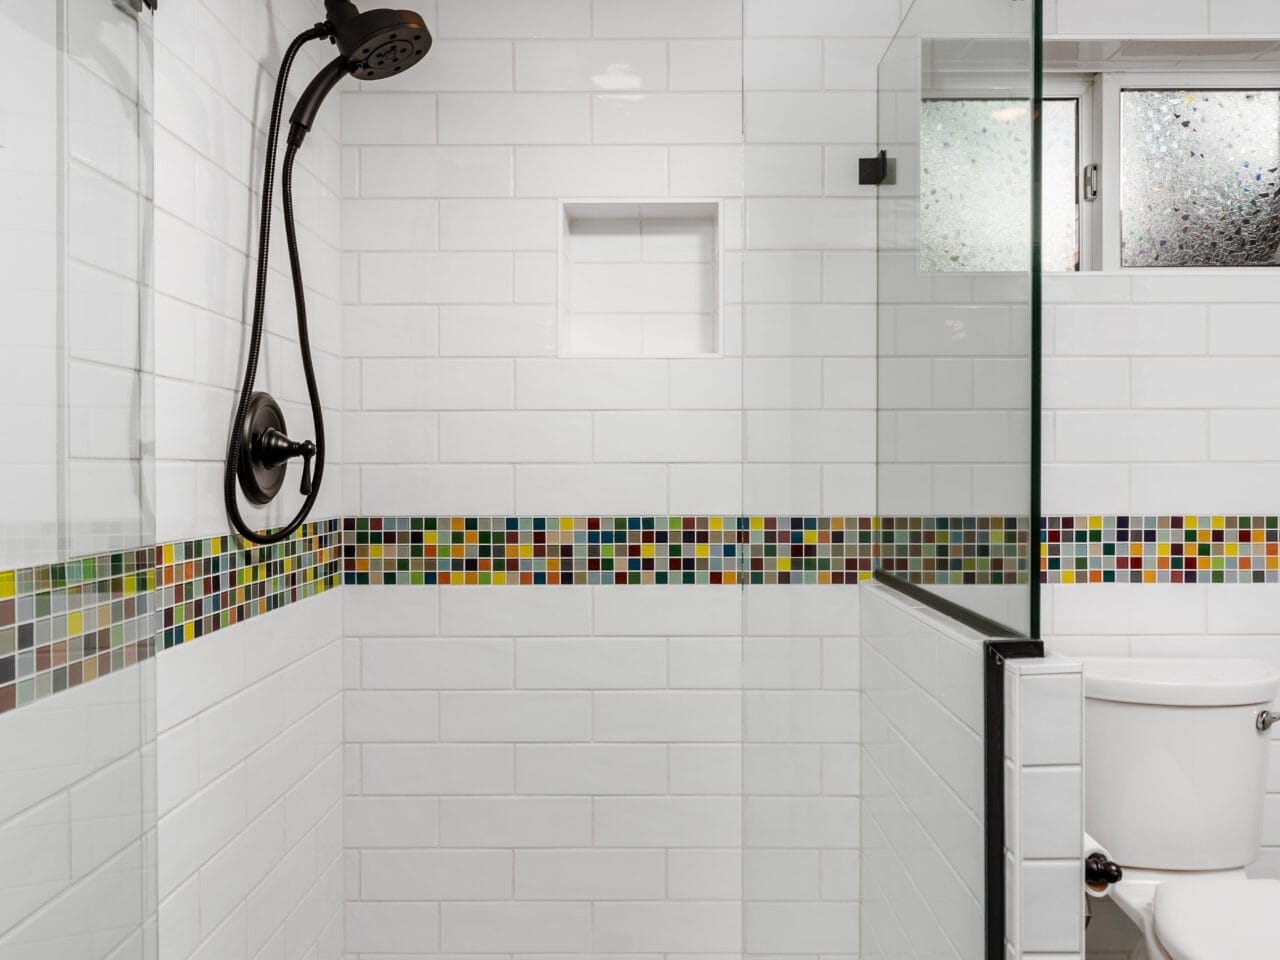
640	279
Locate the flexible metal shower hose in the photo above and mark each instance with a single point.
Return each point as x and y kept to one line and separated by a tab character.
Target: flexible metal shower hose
235	449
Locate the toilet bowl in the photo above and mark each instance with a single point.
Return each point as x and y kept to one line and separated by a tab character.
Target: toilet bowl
1214	915
1175	778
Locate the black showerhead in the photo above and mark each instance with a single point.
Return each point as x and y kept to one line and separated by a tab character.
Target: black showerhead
372	45
378	43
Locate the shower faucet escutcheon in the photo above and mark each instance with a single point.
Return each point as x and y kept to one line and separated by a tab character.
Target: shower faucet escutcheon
269	451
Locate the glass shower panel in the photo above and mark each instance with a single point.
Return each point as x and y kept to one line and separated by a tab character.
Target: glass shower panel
30	372
108	471
75	154
956	465
77	697
954	373
975	191
973	202
1060	194
808	395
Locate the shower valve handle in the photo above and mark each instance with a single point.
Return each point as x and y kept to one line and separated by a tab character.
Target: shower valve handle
308	452
274	448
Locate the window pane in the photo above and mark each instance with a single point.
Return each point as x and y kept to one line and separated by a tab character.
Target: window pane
975	209
1060	200
975	190
1198	172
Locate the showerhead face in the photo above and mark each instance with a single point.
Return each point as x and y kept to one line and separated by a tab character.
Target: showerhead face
381	43
371	46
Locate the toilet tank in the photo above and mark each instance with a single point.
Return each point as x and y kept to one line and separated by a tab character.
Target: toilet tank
1175	767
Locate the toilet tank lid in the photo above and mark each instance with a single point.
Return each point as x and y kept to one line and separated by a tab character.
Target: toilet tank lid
1167	681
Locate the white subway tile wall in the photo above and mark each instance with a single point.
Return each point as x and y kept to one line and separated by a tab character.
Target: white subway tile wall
801	771
568	770
250	780
922	828
583	789
954	348
1127	358
247	767
72	387
1113	348
215	68
571	767
450	307
1154	407
77	821
1183	18
230	780
1044	807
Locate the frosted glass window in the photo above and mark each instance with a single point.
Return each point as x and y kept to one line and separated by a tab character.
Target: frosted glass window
1060	196
1198	178
975	186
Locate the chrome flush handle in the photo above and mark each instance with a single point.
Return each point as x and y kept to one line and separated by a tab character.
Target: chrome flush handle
1266	720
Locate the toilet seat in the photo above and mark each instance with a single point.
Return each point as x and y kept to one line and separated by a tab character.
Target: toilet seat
1206	918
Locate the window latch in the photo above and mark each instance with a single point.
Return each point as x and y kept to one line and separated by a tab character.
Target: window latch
1089	188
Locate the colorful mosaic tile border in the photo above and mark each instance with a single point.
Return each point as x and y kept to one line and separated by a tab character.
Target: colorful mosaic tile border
65	624
62	625
956	551
533	551
1160	549
206	585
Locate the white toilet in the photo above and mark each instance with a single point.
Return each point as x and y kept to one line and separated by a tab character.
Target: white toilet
1175	773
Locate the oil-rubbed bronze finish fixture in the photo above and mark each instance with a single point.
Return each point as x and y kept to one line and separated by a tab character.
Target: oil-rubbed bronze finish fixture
269	452
371	46
1099	872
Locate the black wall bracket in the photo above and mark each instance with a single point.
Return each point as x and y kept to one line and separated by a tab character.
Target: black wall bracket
872	171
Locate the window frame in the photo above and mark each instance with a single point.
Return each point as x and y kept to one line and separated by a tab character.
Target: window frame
1077	86
1110	85
1080	87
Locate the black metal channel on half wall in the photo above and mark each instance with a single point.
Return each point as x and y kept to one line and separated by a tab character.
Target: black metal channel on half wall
1002	644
